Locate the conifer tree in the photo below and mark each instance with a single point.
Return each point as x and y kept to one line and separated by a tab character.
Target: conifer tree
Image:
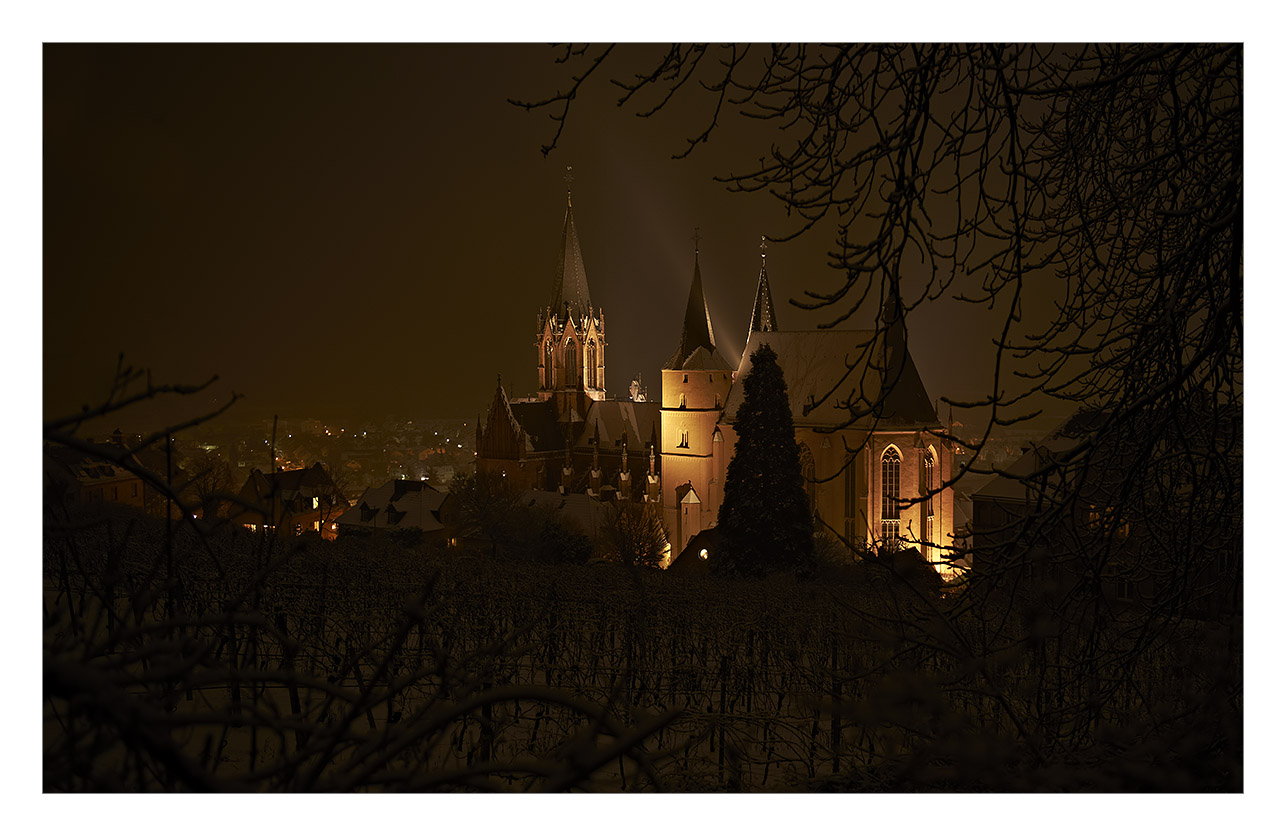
765	515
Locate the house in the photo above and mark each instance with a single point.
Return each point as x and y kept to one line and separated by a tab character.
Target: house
78	476
406	508
290	502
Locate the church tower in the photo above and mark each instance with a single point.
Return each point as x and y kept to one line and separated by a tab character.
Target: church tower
694	389
570	337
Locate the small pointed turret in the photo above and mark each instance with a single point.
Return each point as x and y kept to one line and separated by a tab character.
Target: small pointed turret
697	333
763	317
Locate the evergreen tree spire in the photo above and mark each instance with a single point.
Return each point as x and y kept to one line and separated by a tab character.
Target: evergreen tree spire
763	317
765	515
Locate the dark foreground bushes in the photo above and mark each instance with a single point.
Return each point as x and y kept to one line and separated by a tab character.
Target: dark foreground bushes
226	661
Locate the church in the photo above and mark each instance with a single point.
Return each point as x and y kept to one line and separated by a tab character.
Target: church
870	439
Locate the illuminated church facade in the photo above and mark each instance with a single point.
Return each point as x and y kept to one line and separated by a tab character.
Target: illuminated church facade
870	440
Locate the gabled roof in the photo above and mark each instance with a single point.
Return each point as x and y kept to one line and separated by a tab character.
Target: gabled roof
260	488
639	420
571	288
814	362
398	504
501	435
581	510
537	418
696	334
83	467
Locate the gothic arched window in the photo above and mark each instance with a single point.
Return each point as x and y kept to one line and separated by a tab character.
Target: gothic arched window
571	376
889	474
549	364
809	471
592	366
927	485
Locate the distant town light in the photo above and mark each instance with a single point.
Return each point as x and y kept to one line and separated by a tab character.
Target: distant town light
704	554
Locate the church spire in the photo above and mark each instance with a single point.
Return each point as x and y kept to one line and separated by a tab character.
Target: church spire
571	289
763	317
697	332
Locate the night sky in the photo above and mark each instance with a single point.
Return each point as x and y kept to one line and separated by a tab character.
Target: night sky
352	231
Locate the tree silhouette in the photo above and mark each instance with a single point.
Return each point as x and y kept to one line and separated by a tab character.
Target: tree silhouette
765	515
1088	200
635	534
487	507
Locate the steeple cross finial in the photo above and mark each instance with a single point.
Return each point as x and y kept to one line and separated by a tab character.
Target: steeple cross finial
764	248
567	178
697	239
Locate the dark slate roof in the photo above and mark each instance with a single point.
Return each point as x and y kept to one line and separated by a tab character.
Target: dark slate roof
697	333
813	362
581	510
571	288
83	467
763	317
501	413
309	482
537	418
398	504
639	420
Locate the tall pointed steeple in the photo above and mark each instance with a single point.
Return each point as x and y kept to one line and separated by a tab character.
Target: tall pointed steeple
763	317
697	332
571	289
571	337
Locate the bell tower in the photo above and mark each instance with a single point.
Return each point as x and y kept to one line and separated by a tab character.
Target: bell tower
695	383
570	334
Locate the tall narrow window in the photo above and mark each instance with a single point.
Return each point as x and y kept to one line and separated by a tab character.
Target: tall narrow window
927	485
549	364
851	498
889	472
809	471
571	372
683	438
592	366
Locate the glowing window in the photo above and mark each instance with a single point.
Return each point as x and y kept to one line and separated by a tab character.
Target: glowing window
889	475
704	554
